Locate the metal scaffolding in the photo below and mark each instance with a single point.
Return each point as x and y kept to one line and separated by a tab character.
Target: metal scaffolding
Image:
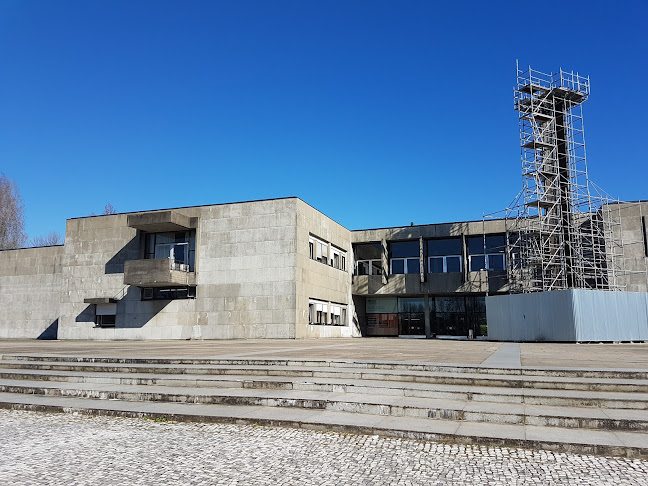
562	230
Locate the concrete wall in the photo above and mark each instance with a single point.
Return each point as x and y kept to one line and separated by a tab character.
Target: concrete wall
316	280
245	276
246	258
634	222
568	315
30	292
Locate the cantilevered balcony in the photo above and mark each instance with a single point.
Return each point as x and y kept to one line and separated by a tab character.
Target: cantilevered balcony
158	272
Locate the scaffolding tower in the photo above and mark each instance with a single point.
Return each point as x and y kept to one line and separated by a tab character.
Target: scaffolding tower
562	231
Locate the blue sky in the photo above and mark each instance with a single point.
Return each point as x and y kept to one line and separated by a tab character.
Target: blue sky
377	113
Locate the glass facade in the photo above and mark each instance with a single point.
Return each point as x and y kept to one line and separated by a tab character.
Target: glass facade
449	315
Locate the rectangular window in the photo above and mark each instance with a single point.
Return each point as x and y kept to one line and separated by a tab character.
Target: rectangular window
487	252
326	313
174	293
363	268
404	257
319	250
338	258
444	255
105	315
368	257
105	321
405	265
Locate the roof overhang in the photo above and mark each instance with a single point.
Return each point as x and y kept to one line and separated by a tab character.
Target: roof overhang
160	221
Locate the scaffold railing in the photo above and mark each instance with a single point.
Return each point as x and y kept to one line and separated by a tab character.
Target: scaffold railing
562	230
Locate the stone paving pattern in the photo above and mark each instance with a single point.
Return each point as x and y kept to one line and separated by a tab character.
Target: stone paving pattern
70	450
626	356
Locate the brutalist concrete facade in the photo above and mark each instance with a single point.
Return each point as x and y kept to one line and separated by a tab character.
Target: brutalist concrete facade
261	269
31	285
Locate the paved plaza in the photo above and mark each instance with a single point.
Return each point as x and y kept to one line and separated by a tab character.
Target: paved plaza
535	355
66	449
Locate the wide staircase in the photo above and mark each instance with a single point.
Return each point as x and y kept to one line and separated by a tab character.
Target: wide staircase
600	412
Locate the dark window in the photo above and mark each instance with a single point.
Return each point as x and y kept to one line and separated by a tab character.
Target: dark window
368	251
453	263
363	268
445	246
436	265
496	262
475	245
444	255
495	244
477	262
487	253
376	267
404	249
155	293
413	265
105	320
398	266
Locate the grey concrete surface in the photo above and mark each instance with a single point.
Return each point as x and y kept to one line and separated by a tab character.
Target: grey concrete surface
544	355
30	292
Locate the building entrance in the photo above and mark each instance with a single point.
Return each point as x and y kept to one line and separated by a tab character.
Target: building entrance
411	317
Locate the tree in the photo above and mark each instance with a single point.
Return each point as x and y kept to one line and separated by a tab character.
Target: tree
109	209
12	222
49	239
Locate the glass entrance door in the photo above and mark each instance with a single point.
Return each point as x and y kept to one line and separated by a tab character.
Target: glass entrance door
411	316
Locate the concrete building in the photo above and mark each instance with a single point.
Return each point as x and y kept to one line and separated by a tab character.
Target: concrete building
263	269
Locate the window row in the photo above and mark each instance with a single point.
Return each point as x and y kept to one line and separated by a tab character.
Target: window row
443	255
326	253
326	313
173	293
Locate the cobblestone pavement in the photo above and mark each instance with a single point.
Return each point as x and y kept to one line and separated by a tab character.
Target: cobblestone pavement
65	449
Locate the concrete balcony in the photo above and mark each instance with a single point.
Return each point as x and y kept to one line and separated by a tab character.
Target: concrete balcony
161	272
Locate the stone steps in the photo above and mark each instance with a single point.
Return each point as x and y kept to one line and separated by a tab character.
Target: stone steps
276	369
551	397
564	410
336	363
474	411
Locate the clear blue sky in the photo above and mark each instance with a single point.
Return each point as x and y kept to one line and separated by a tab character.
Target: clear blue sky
377	113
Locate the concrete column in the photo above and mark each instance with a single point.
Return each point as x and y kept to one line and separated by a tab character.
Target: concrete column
421	260
464	256
328	254
385	261
428	325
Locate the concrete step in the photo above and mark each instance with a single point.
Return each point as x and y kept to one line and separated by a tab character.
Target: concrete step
605	373
533	396
436	377
583	441
458	410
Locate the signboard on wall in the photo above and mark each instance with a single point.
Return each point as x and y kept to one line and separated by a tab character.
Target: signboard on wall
382	305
